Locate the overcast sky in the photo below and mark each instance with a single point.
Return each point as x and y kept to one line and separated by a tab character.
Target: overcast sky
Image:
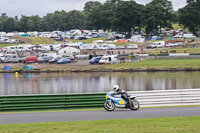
42	7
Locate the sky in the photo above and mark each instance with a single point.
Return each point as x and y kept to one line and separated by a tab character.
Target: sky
42	7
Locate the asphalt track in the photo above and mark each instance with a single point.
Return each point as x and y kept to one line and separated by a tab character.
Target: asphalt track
13	118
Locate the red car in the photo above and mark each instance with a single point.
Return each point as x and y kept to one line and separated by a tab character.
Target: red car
31	59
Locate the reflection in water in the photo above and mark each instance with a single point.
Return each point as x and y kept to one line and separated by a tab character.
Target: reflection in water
7	76
57	83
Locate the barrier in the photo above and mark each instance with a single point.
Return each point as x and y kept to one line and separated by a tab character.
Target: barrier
168	97
51	102
81	101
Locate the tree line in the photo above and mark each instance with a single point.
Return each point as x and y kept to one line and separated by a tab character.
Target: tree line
113	15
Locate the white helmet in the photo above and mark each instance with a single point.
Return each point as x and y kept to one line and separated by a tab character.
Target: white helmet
116	87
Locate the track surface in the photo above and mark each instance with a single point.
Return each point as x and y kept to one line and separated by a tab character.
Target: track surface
13	118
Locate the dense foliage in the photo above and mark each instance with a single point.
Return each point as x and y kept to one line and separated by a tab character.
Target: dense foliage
189	16
116	15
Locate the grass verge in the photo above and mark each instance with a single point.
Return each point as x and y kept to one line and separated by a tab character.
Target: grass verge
188	49
157	64
95	109
147	125
30	40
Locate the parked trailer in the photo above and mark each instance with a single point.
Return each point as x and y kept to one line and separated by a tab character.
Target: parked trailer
109	59
48	54
89	46
136	38
159	44
108	46
2	57
132	46
11	58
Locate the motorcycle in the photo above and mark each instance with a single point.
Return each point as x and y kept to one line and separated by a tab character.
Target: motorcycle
113	101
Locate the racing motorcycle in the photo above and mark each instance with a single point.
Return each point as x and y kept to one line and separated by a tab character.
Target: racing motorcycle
113	100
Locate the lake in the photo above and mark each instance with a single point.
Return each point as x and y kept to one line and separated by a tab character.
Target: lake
65	83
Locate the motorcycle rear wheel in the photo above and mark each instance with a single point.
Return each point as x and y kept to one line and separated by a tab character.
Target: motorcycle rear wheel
109	106
134	105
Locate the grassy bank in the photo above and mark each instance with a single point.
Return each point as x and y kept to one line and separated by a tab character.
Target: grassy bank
153	125
145	64
188	49
30	40
159	63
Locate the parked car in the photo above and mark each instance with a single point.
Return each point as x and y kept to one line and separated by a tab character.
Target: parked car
63	61
31	59
54	60
95	60
45	59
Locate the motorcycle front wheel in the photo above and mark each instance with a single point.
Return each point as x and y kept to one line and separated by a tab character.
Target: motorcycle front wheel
109	106
134	105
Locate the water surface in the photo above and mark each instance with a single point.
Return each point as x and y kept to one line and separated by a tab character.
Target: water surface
57	83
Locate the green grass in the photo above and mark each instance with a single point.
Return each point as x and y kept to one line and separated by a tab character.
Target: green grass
177	26
159	63
149	125
87	41
188	49
31	40
94	109
8	44
41	40
91	40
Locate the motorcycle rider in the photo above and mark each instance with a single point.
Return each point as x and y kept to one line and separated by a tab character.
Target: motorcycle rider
120	91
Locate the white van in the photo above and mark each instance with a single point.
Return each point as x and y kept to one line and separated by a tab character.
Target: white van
108	59
189	36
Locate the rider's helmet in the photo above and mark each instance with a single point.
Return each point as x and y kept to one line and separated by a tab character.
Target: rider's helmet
116	88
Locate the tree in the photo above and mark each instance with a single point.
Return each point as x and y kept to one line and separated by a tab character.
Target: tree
108	11
32	23
23	23
94	20
10	25
92	12
91	5
127	16
75	20
1	26
48	22
158	14
189	16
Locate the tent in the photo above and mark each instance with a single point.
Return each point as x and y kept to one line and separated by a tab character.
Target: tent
121	40
29	67
156	38
7	68
68	51
24	35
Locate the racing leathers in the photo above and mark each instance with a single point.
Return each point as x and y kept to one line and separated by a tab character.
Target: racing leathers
123	94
